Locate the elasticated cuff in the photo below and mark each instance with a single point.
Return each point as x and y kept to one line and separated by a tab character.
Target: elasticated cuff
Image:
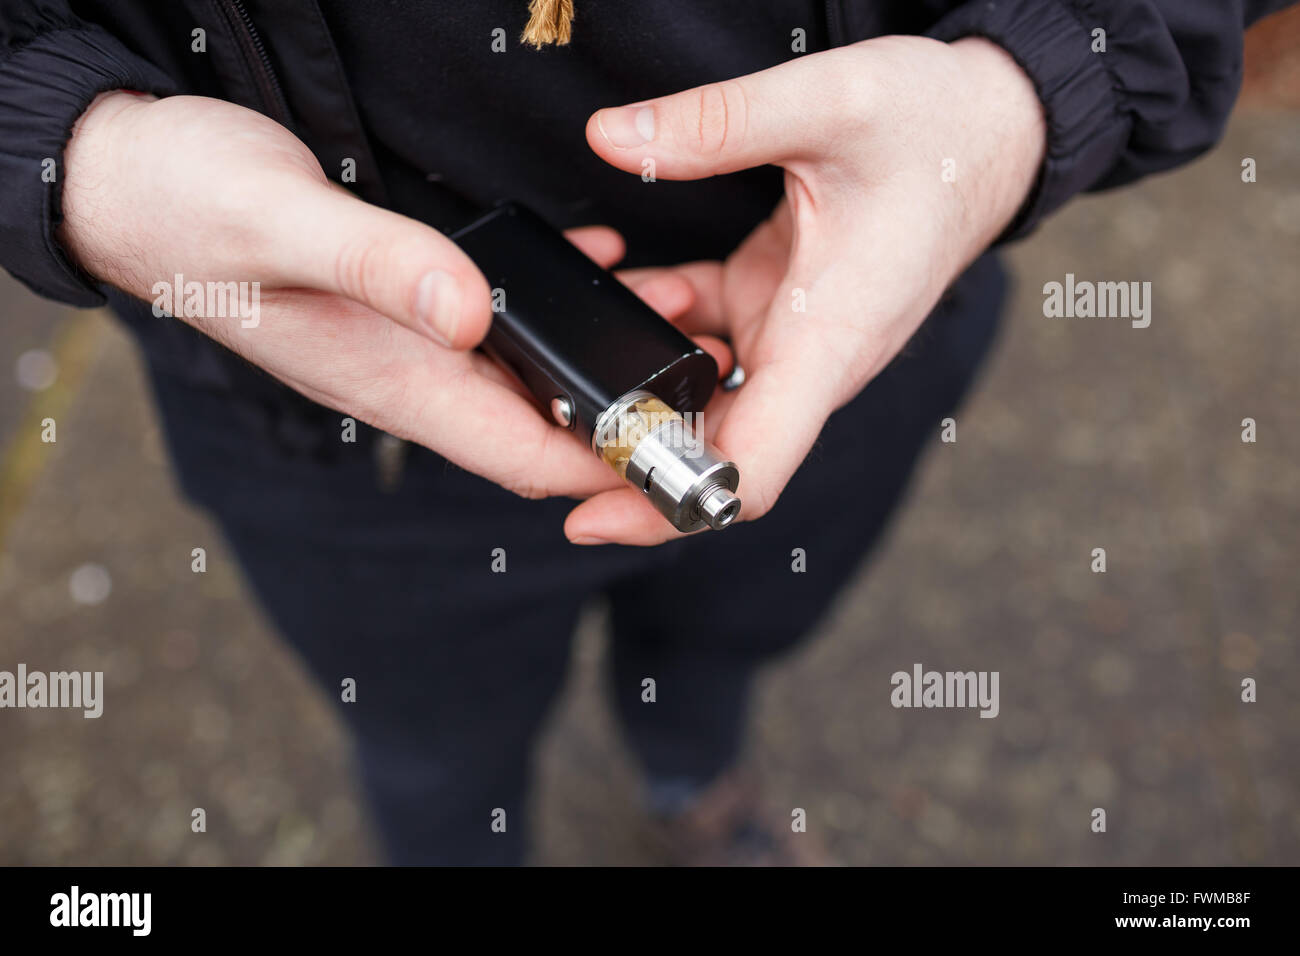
44	87
1086	127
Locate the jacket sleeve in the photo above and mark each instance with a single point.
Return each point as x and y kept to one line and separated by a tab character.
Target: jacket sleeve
51	66
1158	95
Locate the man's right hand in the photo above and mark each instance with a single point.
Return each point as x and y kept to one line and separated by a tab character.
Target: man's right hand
361	309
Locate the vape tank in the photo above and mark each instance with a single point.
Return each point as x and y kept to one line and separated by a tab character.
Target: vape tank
603	364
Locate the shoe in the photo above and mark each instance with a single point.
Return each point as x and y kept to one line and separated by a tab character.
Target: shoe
727	824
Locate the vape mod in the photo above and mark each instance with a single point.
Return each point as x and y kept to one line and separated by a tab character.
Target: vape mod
604	364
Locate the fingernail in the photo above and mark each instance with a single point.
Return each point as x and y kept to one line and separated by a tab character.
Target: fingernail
627	126
588	539
437	304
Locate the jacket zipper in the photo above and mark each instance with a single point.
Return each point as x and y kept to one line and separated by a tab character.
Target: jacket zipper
259	63
833	29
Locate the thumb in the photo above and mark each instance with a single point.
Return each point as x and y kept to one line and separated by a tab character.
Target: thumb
395	265
773	116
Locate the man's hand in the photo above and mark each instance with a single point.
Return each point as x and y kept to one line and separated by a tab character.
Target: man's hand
363	310
904	158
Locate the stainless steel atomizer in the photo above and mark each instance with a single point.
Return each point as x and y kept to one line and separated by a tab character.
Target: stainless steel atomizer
604	364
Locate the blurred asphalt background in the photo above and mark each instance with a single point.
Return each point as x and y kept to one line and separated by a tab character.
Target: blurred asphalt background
1118	690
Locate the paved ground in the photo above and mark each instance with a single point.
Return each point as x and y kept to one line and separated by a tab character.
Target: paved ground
1118	690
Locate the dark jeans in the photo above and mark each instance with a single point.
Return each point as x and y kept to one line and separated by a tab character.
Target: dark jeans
456	665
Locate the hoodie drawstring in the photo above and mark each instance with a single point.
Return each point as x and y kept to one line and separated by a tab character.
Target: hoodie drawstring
549	21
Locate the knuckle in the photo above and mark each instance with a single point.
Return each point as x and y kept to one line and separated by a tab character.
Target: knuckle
527	482
859	101
359	268
524	483
756	501
525	487
379	402
722	111
385	395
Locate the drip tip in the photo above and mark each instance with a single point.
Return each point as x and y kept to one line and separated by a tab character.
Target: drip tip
719	508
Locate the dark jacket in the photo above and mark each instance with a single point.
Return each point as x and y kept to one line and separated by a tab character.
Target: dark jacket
414	94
